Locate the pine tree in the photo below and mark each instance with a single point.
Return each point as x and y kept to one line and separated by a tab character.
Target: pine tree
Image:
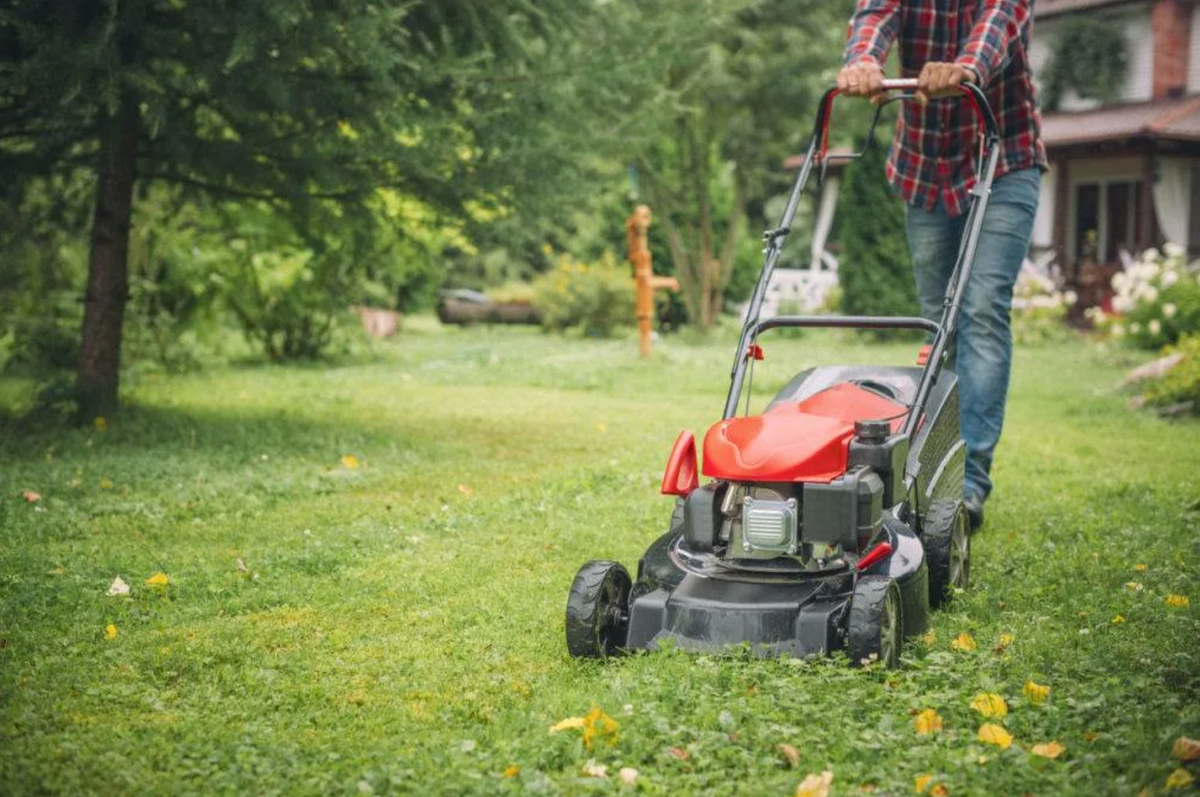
266	100
875	268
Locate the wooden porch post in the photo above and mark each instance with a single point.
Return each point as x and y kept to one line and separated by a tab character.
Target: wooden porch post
1062	200
1147	225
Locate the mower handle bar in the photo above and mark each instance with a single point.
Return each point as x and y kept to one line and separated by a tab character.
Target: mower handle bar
944	329
972	93
847	322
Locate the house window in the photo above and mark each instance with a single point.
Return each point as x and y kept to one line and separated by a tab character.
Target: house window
1107	214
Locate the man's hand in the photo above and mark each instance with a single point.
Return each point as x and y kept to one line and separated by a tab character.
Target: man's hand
941	80
860	80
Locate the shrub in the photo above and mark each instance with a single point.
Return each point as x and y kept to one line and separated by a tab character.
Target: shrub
1181	384
513	293
595	298
1040	309
1156	301
875	272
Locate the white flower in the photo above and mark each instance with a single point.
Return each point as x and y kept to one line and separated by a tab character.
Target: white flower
1070	298
1135	328
1123	304
1150	294
1120	281
1170	277
1169	310
1174	250
1155	326
1151	255
1118	330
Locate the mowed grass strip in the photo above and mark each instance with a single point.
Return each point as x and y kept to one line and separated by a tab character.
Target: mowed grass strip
368	566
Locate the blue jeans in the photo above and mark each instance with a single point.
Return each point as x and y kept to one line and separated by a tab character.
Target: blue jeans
983	357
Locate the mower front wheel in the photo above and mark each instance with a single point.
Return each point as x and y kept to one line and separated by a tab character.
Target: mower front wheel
875	630
946	535
598	610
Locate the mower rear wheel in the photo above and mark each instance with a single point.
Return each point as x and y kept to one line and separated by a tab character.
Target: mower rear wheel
598	610
875	631
946	535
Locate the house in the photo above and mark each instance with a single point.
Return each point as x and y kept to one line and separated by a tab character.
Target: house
1123	166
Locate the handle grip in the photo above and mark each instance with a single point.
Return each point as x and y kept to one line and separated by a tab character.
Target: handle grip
969	91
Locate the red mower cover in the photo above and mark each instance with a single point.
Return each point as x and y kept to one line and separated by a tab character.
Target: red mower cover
804	442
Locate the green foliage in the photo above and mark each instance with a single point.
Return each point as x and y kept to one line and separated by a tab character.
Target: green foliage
1090	57
1181	384
875	268
741	84
595	298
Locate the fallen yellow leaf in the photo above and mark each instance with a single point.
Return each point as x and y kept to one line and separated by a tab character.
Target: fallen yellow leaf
791	754
1186	749
815	785
991	733
1036	693
1118	619
939	790
1047	750
110	631
964	641
1139	568
597	724
990	704
106	483
350	462
465	490
1179	779
100	423
594	770
31	497
929	637
511	771
1178	601
158	580
570	723
921	783
1133	586
927	722
1006	640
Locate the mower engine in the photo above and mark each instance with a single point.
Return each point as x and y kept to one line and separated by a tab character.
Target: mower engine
809	525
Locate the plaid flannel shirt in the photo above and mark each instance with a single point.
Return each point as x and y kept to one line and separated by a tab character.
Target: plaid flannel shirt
936	147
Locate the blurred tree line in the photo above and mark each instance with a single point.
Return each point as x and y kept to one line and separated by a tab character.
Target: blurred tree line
174	169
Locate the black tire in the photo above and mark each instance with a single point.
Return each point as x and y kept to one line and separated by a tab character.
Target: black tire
598	610
946	535
875	631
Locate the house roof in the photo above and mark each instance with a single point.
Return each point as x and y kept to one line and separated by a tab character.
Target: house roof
1167	120
1051	8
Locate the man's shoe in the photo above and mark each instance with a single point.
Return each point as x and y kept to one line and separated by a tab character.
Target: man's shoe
974	506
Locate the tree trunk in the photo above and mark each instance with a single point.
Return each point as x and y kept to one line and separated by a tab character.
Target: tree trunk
99	372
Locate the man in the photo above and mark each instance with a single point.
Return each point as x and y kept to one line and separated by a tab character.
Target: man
932	165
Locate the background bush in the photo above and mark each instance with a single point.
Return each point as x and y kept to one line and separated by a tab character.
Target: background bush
595	298
875	269
1039	312
1181	384
1156	301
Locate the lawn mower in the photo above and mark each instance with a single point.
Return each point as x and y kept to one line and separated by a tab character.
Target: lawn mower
832	520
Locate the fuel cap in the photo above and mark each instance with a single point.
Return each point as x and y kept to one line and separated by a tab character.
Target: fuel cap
872	431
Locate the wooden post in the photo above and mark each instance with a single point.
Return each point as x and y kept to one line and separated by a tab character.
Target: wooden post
637	227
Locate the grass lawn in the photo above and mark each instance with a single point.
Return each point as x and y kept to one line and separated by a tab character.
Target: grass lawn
397	626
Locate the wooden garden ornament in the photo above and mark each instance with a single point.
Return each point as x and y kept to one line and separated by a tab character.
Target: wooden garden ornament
637	227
